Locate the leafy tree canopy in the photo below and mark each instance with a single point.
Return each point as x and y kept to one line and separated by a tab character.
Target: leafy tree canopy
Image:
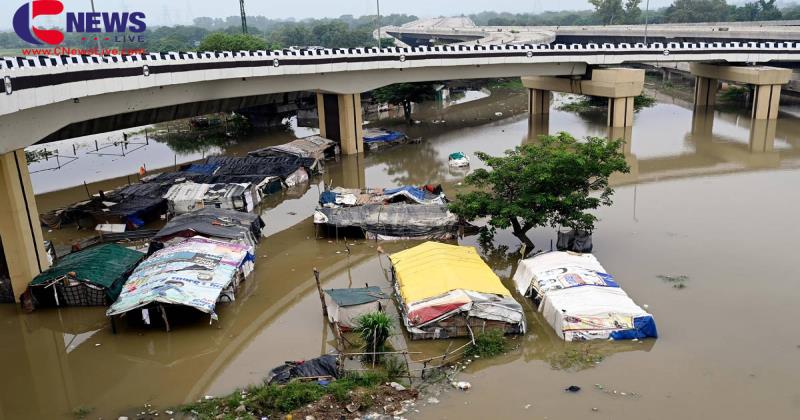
552	183
405	94
220	41
610	12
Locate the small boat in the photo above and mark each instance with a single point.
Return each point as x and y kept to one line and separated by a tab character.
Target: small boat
458	160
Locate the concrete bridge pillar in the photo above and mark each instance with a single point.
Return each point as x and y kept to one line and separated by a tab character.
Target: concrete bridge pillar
705	91
766	80
20	229
620	112
762	135
340	120
539	101
619	85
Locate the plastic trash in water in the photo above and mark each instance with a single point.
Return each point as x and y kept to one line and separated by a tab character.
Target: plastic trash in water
462	385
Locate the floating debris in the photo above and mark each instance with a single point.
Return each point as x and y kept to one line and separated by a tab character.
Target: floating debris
572	388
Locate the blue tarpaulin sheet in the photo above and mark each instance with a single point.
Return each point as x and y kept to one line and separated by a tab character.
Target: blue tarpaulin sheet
200	168
413	191
383	136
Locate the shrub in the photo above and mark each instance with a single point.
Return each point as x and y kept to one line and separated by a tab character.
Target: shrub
488	344
374	329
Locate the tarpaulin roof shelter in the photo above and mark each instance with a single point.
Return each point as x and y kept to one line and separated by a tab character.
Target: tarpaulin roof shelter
133	204
338	196
580	300
193	273
346	305
188	196
185	197
91	277
214	223
306	147
437	282
394	221
281	166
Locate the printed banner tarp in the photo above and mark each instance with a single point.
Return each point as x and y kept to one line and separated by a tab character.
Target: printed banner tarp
192	273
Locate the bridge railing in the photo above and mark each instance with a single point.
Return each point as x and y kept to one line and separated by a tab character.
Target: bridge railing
80	62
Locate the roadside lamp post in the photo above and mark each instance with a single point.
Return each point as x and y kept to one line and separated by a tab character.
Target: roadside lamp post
646	12
378	22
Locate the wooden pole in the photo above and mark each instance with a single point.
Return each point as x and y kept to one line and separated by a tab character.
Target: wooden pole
321	293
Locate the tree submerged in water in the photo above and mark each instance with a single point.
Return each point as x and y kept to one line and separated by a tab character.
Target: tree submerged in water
405	94
552	183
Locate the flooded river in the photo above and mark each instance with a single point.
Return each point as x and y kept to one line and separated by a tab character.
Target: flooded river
713	198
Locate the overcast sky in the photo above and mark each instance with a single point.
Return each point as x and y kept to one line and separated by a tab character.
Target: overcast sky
171	12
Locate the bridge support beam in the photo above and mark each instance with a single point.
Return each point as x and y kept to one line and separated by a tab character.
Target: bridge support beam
340	120
705	91
20	230
619	85
767	82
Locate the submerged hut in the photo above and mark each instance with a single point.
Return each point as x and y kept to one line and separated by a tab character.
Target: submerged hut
580	300
188	196
91	277
315	147
346	305
195	273
448	291
212	223
389	222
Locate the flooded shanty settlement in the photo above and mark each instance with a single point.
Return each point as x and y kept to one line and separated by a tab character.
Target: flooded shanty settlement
453	225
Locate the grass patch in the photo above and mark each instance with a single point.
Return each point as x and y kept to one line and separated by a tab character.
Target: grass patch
82	412
275	400
395	367
678	282
734	94
590	103
488	344
514	83
576	358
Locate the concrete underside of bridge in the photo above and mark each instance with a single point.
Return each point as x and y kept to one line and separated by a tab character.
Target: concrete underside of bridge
30	126
620	86
20	231
767	82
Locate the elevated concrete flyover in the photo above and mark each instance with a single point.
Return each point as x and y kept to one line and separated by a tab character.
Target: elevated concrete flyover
46	94
87	94
464	31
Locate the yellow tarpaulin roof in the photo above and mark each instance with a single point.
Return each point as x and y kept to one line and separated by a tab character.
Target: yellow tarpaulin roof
433	268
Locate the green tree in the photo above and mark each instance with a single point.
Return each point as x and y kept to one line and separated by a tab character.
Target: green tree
551	183
696	11
219	41
405	94
791	12
608	12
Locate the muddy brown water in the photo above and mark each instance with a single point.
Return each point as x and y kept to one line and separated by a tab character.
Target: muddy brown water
715	203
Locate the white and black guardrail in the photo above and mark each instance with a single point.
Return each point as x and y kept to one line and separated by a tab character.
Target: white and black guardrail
21	73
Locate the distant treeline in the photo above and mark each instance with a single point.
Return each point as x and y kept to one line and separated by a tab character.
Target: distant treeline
608	12
345	31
